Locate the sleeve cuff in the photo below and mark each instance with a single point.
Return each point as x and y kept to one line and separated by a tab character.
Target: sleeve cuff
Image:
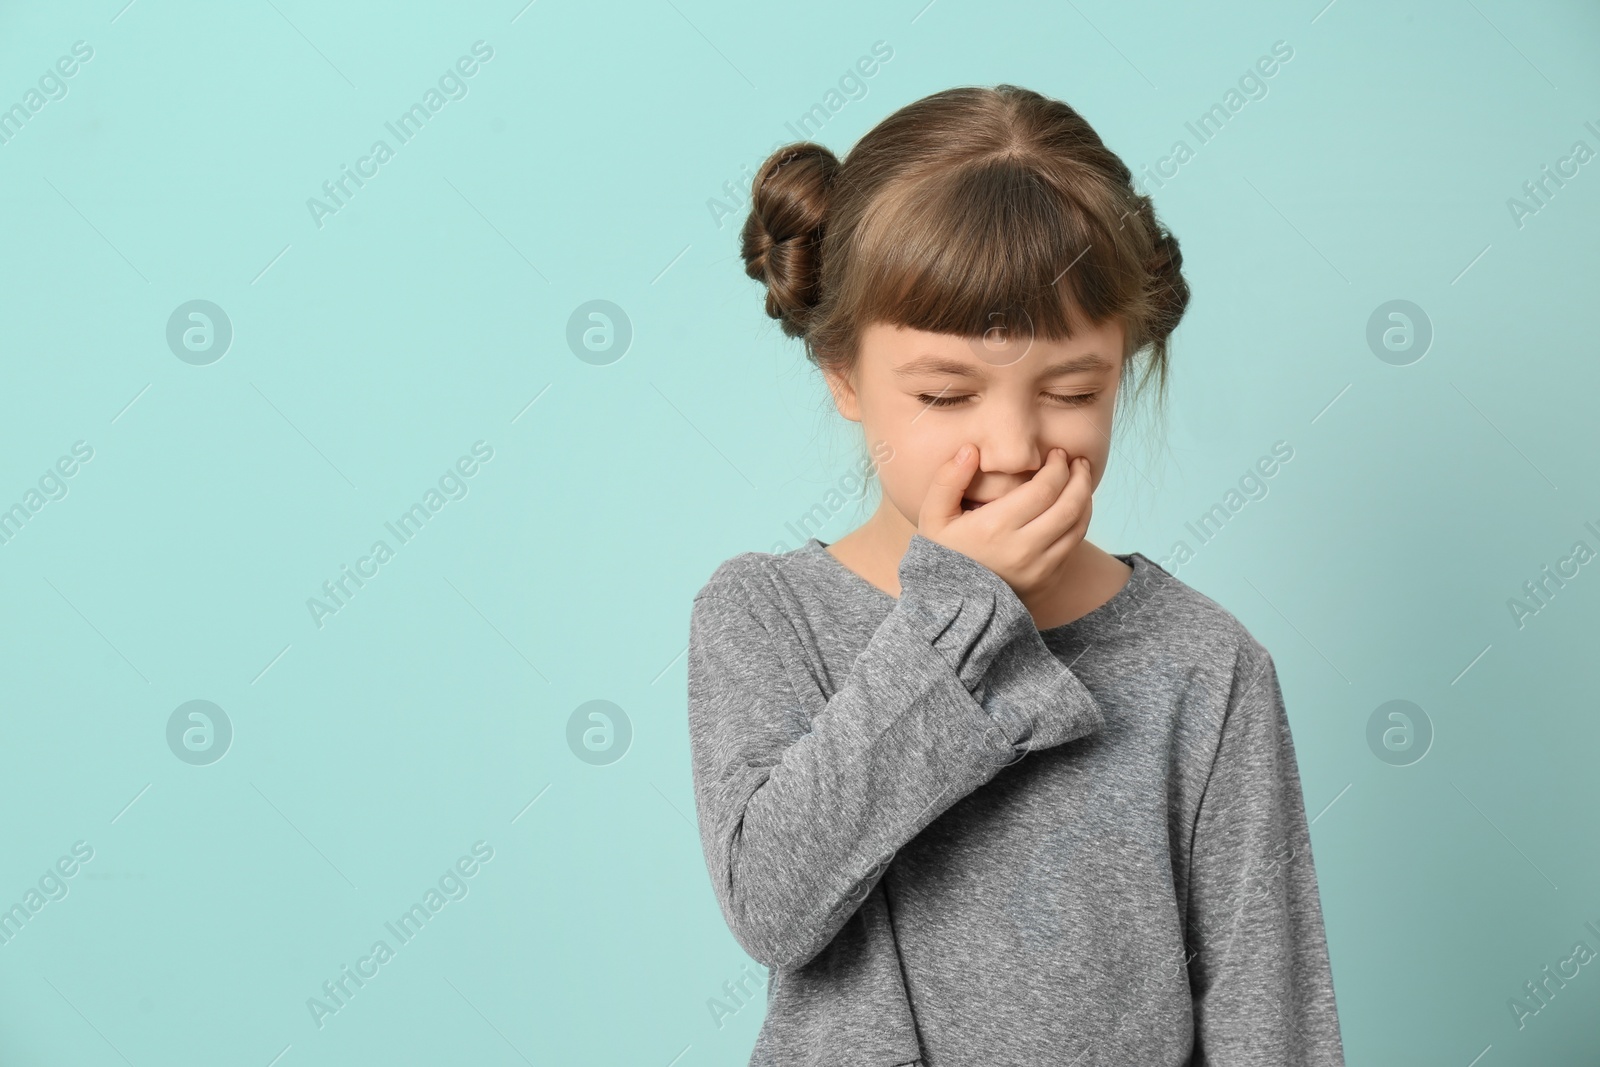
967	611
1036	698
975	621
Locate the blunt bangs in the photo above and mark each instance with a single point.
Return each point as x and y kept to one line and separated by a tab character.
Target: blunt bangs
991	244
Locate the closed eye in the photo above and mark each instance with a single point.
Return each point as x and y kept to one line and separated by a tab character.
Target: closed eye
941	401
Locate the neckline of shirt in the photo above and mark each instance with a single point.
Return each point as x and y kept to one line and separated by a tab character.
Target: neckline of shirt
1107	616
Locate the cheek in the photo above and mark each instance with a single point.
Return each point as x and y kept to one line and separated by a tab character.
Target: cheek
906	478
1099	453
920	445
909	479
1081	438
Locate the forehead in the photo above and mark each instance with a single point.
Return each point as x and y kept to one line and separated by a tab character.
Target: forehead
904	353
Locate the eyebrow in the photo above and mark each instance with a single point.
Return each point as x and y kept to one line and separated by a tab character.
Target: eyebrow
932	364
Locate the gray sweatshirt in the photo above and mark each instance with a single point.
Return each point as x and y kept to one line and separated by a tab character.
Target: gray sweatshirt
957	840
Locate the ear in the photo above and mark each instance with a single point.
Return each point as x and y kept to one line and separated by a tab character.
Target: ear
844	395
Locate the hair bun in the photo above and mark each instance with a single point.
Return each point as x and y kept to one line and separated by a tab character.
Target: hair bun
1171	289
781	242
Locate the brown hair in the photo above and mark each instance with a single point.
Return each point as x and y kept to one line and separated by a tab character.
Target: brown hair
966	204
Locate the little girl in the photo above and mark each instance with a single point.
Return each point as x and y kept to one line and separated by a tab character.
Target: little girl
976	791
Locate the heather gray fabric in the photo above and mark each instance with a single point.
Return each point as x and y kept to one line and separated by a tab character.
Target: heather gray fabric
958	841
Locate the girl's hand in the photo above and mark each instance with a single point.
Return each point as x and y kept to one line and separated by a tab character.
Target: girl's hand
1024	536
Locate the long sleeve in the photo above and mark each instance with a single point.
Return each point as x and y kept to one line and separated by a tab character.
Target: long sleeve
799	819
1260	974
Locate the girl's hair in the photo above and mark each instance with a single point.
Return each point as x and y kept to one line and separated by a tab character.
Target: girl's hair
967	206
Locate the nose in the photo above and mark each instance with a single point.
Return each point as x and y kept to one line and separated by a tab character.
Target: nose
1007	436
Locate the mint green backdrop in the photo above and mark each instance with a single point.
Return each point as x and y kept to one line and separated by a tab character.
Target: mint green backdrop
528	329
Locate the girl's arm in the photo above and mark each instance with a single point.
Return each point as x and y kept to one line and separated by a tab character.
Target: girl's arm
801	813
1263	990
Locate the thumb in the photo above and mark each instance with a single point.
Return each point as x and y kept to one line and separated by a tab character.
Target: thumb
950	481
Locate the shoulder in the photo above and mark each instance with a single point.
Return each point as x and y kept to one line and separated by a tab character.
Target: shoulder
1221	681
1199	629
756	582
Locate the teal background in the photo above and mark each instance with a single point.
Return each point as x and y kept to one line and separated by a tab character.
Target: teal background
432	311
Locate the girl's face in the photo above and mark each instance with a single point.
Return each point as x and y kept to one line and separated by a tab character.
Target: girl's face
927	394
